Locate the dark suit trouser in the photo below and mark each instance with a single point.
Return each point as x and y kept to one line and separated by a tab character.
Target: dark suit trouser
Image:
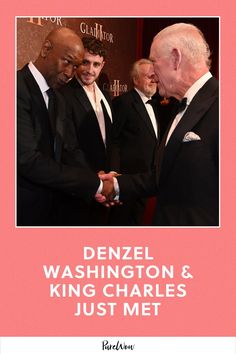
69	211
33	209
128	214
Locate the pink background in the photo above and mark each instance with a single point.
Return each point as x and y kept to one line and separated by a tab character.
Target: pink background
26	309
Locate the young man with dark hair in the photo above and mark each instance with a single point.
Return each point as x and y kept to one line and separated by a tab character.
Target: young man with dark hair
90	113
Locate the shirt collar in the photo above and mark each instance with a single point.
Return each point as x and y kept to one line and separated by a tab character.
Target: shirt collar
143	97
99	95
81	83
191	92
96	88
42	83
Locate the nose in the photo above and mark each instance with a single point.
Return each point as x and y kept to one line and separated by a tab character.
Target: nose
155	78
89	67
69	71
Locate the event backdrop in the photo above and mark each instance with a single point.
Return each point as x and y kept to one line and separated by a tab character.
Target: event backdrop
126	39
118	35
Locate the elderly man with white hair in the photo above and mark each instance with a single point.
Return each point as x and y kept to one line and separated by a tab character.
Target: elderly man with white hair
186	176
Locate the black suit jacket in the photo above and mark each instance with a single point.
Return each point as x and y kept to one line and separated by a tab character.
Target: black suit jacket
187	180
88	137
134	139
39	167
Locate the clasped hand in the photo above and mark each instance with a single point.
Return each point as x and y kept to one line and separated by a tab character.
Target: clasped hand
106	197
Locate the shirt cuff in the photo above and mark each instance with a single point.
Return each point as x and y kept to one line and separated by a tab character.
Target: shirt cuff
99	191
116	188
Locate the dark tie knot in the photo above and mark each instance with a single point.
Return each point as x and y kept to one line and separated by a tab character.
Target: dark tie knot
150	102
181	105
50	93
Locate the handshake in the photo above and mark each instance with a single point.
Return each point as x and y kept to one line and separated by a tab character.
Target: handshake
108	195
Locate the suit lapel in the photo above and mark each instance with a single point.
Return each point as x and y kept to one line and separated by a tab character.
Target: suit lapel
194	113
108	123
60	114
90	113
36	94
81	96
60	119
141	110
40	116
42	111
87	106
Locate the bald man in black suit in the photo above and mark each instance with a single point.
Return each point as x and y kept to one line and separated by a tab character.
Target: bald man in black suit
40	134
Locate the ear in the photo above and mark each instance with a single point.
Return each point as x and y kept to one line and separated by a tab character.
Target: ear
103	63
176	58
135	80
47	46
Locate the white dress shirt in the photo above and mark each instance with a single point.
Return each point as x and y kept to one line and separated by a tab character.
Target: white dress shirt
42	83
96	104
190	93
149	109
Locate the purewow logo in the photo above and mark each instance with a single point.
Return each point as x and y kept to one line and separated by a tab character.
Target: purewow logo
106	345
96	31
116	87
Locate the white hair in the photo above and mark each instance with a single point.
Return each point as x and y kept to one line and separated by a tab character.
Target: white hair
189	39
135	71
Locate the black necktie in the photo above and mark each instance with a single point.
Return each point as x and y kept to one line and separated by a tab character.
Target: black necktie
52	109
181	105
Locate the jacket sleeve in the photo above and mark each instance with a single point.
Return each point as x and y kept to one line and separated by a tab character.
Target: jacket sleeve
119	120
40	168
140	185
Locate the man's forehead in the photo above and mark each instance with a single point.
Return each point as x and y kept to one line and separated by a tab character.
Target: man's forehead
73	51
153	46
93	57
146	68
71	48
